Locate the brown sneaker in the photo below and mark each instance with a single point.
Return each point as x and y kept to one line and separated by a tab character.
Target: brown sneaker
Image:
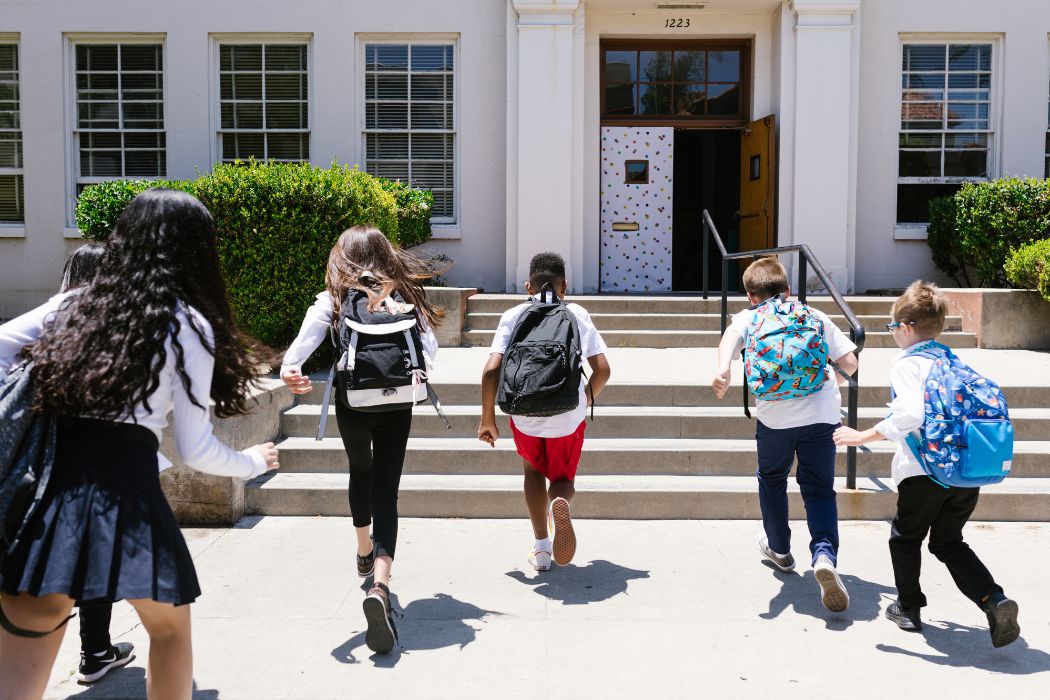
559	523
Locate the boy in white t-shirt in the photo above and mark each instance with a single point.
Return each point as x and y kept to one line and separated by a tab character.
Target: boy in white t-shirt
550	446
793	428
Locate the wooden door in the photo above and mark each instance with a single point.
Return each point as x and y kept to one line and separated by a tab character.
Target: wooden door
758	184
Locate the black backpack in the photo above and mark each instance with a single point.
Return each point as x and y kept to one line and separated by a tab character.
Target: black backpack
380	364
542	367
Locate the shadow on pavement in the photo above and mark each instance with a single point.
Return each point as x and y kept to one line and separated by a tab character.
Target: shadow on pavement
581	585
127	683
802	592
961	646
423	625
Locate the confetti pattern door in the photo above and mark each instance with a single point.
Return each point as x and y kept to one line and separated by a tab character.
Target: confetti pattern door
636	201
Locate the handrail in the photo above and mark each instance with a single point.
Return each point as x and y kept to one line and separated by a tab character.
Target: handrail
805	258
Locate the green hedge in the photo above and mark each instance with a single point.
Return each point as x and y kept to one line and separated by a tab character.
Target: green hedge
413	212
975	230
1029	267
277	223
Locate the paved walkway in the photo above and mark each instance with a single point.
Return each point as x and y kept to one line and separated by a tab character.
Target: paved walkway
678	609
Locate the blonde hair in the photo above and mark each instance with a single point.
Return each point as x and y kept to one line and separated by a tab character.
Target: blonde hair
923	306
765	278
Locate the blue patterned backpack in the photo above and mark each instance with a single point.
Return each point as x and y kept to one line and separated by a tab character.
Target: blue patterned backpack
786	356
967	439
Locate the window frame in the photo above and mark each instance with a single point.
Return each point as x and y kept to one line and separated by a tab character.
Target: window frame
216	40
73	178
914	230
441	225
13	228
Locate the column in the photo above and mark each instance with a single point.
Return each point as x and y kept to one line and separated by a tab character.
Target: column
540	164
825	121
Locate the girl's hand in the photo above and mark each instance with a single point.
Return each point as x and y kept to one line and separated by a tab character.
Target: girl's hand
297	382
848	437
269	454
488	432
720	383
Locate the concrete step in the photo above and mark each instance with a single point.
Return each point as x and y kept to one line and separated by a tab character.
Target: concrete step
626	422
683	322
692	304
696	394
617	497
710	338
619	456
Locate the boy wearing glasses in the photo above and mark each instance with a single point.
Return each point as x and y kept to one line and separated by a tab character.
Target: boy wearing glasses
924	506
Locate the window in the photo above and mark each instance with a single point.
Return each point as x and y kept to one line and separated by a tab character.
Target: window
410	119
12	196
264	102
119	127
946	134
653	80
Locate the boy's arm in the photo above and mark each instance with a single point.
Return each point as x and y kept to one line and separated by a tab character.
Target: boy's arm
487	431
600	373
732	343
907	410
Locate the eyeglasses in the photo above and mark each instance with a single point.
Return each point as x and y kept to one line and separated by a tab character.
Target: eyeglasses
894	325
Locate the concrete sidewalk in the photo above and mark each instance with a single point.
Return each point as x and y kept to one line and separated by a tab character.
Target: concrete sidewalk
678	609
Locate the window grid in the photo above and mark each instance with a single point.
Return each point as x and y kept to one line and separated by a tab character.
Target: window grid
119	112
946	136
267	119
12	191
409	119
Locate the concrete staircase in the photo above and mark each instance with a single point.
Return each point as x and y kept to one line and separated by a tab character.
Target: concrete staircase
658	448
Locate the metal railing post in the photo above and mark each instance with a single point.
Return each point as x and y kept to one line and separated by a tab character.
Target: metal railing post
802	273
706	233
725	293
852	401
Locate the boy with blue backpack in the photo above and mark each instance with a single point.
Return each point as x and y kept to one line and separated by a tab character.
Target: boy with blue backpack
787	348
953	435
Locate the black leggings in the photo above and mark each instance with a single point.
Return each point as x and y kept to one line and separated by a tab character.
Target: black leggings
375	444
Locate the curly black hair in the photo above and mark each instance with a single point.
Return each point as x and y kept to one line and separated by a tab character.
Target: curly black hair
103	352
546	268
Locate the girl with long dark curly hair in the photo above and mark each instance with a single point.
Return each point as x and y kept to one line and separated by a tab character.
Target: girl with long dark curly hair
151	333
367	269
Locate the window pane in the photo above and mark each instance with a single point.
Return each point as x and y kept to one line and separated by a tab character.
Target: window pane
913	201
247	57
391	87
103	58
430	116
242	146
392	170
431	147
620	99
385	57
654	99
925	81
11	149
248	116
285	115
621	66
442	205
135	57
8	58
957	140
912	140
285	57
431	58
142	163
691	99
429	87
287	146
431	174
924	57
723	99
723	66
247	86
387	146
12	199
969	80
388	115
655	66
919	164
690	67
284	86
966	163
970	57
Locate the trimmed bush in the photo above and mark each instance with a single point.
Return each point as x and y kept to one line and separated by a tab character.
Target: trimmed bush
1029	267
413	212
99	206
990	220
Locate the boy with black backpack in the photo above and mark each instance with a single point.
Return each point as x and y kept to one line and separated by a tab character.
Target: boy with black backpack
787	348
953	435
536	373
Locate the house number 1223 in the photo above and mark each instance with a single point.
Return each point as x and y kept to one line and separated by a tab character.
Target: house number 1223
676	22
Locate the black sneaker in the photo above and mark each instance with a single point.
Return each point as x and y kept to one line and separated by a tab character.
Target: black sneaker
907	620
381	634
1002	619
94	667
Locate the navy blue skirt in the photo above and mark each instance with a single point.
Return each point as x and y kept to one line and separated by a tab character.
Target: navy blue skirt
104	530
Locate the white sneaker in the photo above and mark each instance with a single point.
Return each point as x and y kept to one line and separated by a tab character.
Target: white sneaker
559	524
784	562
833	593
540	560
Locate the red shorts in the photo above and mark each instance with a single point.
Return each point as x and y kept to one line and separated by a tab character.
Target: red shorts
555	458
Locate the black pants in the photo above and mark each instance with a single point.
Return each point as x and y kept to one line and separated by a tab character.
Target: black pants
924	506
94	626
375	445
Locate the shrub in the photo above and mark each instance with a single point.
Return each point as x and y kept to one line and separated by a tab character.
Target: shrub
1029	266
944	241
413	212
990	220
99	206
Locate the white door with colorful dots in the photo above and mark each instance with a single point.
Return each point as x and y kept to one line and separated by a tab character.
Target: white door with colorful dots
636	189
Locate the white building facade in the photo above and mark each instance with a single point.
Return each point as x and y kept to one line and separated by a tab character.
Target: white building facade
599	129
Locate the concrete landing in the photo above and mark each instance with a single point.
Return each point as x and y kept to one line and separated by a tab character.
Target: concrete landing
678	609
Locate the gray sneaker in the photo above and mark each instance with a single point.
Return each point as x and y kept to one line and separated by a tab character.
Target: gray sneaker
784	562
832	593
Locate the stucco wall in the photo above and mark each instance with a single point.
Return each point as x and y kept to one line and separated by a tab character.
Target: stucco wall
30	266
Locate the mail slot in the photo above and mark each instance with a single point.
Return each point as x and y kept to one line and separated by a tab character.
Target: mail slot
625	226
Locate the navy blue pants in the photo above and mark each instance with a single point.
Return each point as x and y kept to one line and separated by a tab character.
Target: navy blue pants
815	450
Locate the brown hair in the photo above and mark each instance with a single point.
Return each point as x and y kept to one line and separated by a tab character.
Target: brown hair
765	278
923	306
364	259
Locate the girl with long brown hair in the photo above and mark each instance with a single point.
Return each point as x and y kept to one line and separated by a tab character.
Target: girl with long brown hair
367	273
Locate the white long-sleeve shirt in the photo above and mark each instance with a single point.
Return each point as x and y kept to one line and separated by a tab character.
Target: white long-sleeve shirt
907	410
194	438
315	329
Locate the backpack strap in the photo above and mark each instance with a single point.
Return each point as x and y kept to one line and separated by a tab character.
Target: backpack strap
325	403
13	629
436	403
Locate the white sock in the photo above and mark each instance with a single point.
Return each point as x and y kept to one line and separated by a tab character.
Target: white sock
544	545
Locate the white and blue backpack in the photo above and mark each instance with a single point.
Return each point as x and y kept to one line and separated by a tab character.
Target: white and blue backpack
967	439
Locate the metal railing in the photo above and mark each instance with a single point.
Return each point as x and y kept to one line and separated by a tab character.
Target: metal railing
806	260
